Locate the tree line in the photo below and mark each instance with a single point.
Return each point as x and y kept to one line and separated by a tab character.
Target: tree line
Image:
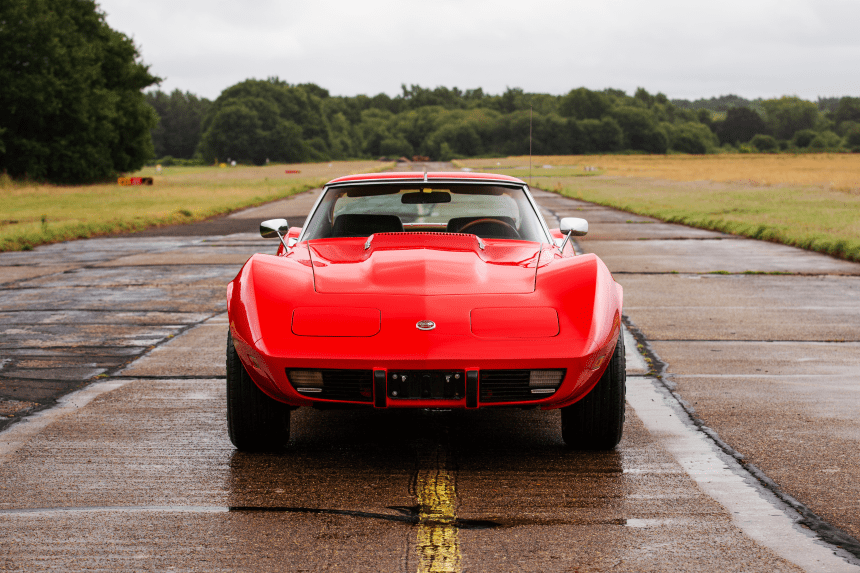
256	121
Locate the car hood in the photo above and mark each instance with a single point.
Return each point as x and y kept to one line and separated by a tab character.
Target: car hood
424	264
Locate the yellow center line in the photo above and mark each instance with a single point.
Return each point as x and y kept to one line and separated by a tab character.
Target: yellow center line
438	544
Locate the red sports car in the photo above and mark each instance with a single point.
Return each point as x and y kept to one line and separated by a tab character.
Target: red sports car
425	290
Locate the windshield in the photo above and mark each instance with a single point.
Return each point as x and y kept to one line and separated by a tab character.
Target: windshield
488	211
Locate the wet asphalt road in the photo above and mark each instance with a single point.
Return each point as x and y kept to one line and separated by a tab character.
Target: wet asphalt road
761	341
135	472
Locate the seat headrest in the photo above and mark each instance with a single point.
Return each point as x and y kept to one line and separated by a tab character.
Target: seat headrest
352	225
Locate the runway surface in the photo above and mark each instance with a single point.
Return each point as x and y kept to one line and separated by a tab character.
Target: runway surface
133	470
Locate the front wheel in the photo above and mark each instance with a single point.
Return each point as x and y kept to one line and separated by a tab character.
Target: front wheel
597	421
255	422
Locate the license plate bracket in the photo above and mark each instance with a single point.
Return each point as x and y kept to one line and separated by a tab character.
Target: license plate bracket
426	384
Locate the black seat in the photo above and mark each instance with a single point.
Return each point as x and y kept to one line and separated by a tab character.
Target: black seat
365	225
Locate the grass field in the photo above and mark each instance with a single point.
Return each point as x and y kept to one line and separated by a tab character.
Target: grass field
33	215
837	171
809	201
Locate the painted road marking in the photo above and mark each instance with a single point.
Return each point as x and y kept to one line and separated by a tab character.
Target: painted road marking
438	544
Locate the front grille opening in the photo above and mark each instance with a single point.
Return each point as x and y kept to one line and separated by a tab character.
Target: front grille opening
333	384
519	385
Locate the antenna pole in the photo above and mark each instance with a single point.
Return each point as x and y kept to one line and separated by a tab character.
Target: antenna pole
531	109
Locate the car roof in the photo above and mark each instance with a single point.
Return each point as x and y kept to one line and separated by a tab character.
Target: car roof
434	176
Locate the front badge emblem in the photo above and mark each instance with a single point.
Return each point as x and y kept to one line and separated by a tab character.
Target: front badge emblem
425	325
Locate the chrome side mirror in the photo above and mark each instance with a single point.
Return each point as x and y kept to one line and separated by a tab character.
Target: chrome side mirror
573	226
274	228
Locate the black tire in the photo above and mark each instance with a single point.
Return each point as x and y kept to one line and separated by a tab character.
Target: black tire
255	422
597	421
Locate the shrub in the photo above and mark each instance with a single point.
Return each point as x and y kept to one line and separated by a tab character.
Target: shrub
825	140
692	137
804	137
764	143
852	138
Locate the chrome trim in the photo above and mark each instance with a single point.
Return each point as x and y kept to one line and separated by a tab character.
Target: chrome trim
367	244
480	243
564	242
313	210
418	179
307	390
538	213
514	184
425	325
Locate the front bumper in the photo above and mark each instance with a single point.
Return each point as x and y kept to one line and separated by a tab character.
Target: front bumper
430	382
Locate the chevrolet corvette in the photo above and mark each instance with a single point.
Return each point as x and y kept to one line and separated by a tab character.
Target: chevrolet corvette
425	290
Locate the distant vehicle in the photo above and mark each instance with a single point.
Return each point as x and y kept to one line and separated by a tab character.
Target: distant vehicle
425	290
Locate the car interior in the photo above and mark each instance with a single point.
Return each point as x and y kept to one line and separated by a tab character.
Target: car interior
489	212
364	225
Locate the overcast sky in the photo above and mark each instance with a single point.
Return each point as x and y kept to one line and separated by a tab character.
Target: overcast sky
683	48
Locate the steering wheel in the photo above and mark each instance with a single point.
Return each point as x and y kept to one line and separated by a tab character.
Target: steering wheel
509	229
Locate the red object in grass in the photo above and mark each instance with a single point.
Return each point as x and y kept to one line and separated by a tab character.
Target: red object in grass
134	181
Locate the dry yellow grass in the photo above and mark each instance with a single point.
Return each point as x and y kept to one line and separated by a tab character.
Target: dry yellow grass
33	214
839	171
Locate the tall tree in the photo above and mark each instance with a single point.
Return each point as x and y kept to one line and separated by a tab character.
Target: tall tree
257	120
71	105
848	109
787	115
740	125
640	129
179	125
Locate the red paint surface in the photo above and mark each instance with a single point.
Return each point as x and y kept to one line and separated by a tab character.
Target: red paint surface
423	263
515	322
335	321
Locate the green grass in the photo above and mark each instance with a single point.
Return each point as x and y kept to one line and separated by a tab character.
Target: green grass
35	214
809	217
